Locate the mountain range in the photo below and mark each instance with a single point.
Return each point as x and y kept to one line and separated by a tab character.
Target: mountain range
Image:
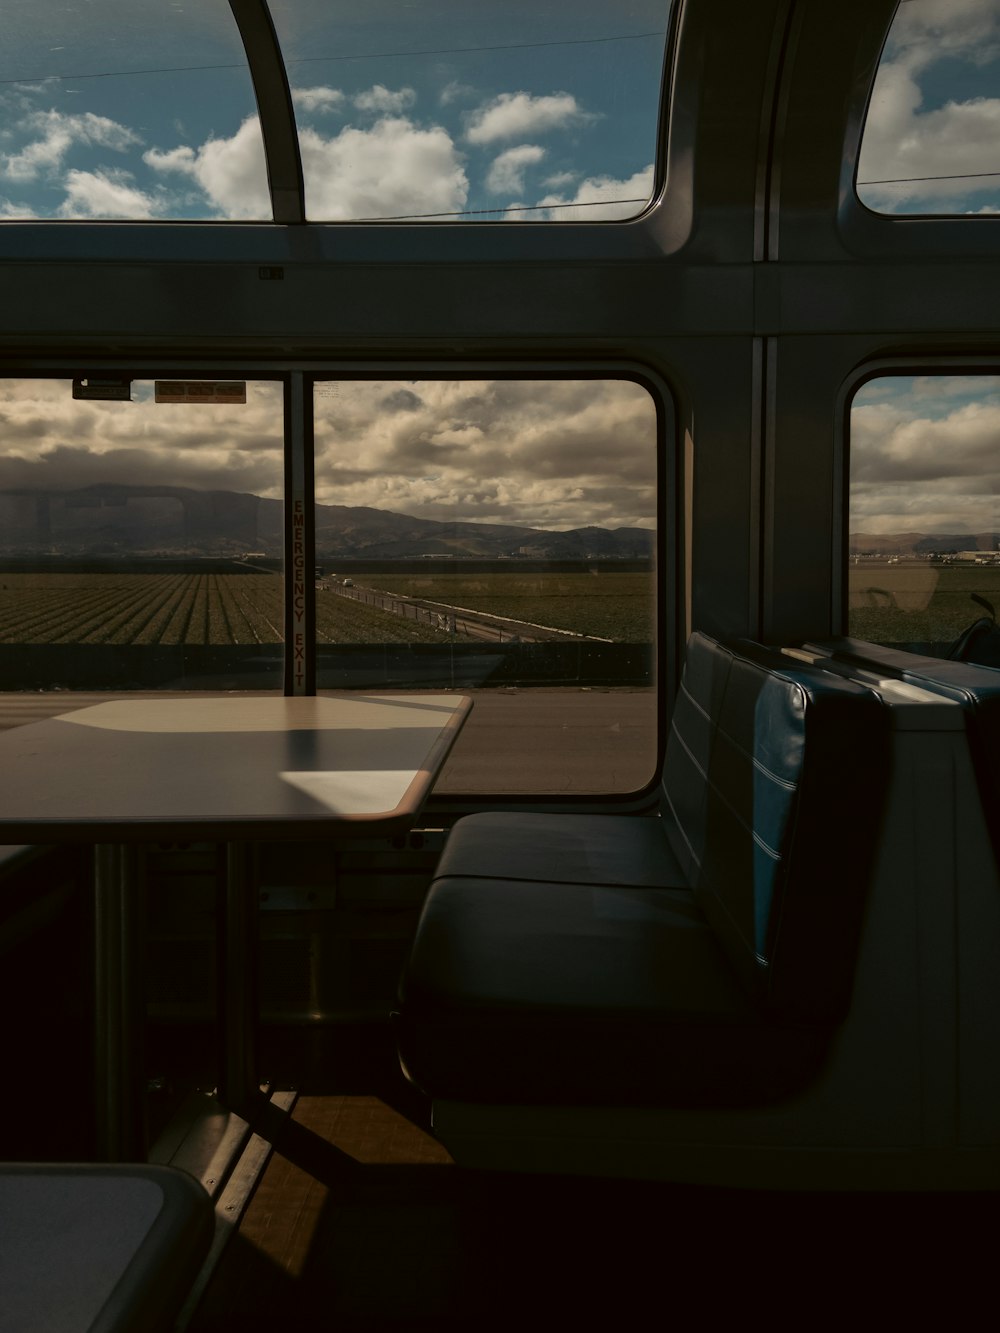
177	521
920	543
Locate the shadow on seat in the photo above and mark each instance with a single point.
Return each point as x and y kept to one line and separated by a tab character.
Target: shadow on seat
703	957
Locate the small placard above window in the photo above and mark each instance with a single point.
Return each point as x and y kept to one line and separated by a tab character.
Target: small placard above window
201	391
105	388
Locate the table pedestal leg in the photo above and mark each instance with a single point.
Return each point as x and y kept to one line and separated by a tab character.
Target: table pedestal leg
236	1000
119	1004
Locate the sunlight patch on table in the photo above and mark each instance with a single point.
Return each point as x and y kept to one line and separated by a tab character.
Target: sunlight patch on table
364	792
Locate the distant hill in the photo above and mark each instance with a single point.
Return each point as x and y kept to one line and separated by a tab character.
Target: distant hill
919	543
179	521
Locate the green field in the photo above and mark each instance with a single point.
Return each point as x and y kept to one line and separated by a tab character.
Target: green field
612	605
917	602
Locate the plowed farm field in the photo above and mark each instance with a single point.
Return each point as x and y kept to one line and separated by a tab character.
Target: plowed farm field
218	609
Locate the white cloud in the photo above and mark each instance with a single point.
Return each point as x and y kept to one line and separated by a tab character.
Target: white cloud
605	195
8	209
105	194
515	115
318	99
924	462
53	440
456	92
231	172
381	99
544	453
393	169
58	134
506	175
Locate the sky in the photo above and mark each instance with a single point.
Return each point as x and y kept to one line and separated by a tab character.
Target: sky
539	453
511	111
924	455
935	112
520	110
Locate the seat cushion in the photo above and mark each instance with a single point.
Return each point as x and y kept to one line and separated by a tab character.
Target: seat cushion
548	992
562	849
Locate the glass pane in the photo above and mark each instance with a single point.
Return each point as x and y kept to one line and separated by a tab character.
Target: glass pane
122	110
513	111
497	537
924	519
930	138
140	541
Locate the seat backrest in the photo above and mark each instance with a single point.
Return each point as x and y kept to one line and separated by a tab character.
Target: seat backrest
774	782
974	686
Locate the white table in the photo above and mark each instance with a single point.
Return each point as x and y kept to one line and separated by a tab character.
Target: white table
232	769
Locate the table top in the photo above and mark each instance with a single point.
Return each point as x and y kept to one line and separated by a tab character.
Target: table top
225	767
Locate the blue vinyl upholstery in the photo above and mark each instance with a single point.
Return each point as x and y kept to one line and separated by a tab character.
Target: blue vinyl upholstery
976	687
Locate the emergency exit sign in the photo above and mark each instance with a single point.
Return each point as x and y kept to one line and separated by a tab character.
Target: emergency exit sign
200	391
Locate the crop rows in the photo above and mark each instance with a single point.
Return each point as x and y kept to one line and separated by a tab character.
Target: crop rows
140	608
217	609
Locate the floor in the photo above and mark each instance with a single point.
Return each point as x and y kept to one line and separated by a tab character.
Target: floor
361	1222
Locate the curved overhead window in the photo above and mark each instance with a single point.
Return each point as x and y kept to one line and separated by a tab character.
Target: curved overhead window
932	138
116	110
450	111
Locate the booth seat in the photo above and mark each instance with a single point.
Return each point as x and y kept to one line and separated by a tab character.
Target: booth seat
703	956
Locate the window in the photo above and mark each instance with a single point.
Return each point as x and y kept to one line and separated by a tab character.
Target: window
497	536
440	111
119	110
492	535
930	140
141	534
446	110
924	517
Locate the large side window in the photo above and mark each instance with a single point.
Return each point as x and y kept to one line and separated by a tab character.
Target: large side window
497	536
140	534
924	530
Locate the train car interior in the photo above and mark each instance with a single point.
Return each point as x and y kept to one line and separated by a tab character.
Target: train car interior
499	672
